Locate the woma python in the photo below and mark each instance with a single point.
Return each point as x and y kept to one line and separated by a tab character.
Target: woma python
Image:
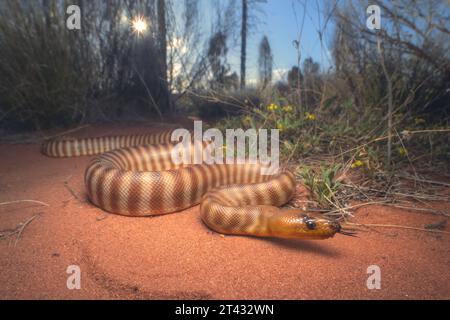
134	175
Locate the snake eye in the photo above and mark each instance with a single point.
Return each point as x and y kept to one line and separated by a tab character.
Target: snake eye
311	224
309	221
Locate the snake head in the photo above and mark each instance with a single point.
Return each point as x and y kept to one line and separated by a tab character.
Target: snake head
319	227
292	224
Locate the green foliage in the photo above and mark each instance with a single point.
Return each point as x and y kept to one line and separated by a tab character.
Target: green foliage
322	183
38	84
337	126
52	76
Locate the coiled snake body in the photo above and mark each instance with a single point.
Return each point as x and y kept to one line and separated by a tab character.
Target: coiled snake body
134	175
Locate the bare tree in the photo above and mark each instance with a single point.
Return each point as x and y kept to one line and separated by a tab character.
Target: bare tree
311	72
164	100
217	56
265	62
310	67
162	35
187	48
245	27
294	77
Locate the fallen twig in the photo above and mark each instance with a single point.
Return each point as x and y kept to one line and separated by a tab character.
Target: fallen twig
18	201
67	131
18	230
426	181
66	185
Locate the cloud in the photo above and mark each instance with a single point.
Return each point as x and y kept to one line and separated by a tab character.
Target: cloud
279	74
251	81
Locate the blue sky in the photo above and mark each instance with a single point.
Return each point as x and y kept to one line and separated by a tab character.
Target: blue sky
281	21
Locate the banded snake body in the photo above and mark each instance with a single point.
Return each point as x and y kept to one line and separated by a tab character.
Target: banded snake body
134	175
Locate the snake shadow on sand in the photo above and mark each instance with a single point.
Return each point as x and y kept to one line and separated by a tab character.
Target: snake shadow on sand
309	246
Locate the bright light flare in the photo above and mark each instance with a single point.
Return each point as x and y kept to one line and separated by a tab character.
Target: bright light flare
139	25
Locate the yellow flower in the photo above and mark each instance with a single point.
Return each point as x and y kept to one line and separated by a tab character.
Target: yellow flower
280	126
310	116
272	107
357	163
288	108
402	151
247	120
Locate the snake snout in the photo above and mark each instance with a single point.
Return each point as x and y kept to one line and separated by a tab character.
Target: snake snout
336	226
333	227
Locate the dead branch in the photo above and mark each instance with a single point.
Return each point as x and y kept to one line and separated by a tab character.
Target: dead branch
18	230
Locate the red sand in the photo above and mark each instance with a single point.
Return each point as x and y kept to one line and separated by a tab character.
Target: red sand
176	257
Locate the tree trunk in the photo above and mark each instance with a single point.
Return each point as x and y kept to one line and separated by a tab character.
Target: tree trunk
162	34
48	9
244	40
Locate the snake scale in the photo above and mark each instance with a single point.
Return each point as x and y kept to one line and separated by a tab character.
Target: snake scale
134	175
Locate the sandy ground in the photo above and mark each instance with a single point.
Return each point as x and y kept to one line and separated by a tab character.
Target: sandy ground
177	257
